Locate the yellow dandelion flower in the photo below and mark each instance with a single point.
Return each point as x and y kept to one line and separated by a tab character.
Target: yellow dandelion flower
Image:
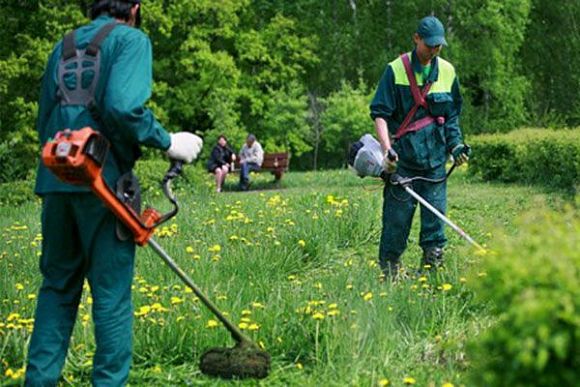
318	316
368	296
257	305
211	324
447	287
301	243
447	384
246	312
299	366
215	249
253	327
189	249
176	300
409	380
333	312
143	311
31	296
19	286
157	307
332	306
384	382
243	325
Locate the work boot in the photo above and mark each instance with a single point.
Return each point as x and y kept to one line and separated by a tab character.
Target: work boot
392	269
432	258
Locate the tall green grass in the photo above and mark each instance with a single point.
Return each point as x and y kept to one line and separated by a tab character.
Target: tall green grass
296	267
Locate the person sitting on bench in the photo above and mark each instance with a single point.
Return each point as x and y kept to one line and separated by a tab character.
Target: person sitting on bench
219	161
251	158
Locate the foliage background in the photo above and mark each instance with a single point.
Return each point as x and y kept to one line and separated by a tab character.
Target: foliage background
299	74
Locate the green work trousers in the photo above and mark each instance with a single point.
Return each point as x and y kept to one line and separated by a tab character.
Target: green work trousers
398	211
79	241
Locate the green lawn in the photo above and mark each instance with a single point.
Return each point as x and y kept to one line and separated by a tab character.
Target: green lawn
298	264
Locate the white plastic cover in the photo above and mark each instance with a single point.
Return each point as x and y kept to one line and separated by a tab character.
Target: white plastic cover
369	159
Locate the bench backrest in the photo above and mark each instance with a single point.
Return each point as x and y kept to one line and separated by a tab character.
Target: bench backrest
279	160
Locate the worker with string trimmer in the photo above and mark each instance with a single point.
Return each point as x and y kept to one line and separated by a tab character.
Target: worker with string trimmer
416	112
97	76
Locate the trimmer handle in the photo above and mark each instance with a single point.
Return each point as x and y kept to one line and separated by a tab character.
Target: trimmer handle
174	171
391	154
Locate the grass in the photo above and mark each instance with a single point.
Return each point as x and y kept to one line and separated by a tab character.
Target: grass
296	267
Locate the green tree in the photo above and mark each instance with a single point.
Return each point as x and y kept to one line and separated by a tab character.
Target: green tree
345	119
550	56
285	124
486	40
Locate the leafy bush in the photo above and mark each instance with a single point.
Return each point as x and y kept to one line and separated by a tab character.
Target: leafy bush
16	192
547	157
533	284
151	172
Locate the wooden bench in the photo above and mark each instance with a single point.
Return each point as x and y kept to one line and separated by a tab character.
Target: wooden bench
276	163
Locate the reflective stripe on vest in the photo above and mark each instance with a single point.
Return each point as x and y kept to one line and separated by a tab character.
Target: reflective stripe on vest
444	83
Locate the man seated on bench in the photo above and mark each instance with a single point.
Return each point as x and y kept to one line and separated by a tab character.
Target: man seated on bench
251	158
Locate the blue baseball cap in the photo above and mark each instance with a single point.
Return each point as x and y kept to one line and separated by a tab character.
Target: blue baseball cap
431	30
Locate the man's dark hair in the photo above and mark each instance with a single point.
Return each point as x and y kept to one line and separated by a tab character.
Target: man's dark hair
119	9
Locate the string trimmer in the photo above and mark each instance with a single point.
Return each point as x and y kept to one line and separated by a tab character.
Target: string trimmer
407	184
77	157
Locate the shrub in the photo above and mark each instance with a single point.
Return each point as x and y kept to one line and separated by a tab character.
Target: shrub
16	192
151	172
547	157
532	282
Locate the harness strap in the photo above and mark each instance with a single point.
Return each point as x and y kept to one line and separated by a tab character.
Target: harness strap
419	98
69	49
95	44
81	69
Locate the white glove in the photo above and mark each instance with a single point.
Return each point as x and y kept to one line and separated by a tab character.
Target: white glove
185	146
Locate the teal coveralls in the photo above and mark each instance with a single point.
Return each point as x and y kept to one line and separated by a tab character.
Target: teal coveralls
79	237
421	153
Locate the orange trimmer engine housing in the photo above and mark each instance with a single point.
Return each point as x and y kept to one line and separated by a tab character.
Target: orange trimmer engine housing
77	157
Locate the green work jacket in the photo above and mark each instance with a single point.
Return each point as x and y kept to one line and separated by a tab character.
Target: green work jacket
123	88
429	147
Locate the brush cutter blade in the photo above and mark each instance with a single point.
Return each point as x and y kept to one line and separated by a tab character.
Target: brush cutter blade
240	362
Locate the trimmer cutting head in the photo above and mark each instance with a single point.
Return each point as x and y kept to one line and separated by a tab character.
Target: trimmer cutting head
245	360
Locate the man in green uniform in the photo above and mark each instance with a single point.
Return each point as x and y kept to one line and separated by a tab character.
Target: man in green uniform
98	77
416	110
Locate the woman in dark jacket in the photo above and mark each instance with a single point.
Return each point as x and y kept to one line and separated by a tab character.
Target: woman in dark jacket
219	161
